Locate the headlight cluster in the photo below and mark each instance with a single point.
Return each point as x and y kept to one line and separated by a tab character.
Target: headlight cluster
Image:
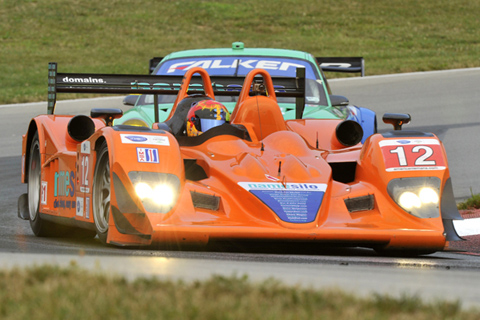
158	191
161	194
418	196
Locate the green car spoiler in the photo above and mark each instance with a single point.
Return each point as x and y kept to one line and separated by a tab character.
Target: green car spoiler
332	64
153	84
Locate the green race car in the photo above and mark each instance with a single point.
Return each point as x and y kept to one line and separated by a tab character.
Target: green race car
237	61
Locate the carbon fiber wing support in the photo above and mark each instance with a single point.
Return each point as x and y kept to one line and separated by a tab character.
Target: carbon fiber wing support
157	84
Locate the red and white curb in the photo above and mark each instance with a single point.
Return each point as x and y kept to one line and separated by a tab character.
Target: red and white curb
467	227
470	226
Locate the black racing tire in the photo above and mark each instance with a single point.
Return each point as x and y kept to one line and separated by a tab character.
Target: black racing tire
101	193
40	227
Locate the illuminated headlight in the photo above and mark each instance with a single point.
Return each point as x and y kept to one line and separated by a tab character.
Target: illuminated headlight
158	191
418	196
409	200
143	190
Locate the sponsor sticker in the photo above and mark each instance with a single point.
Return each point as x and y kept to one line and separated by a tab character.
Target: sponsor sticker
291	202
145	139
85	147
271	178
83	168
240	65
147	155
315	187
43	193
79	207
412	154
83	80
87	207
64	190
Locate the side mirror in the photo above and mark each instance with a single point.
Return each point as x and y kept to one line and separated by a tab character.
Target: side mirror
339	101
130	100
106	114
397	119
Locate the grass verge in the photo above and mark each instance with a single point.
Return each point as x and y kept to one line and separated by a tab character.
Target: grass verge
50	292
471	203
113	36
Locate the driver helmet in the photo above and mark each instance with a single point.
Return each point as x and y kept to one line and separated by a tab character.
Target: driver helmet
204	115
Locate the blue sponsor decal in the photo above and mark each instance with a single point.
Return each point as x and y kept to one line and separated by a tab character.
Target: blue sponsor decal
64	184
147	155
240	65
64	204
403	141
136	138
292	206
291	202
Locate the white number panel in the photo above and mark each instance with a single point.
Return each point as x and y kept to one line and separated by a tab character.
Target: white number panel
415	154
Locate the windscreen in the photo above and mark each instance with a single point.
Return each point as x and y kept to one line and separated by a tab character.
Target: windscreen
241	66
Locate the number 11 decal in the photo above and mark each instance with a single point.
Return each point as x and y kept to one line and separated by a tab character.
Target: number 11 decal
421	154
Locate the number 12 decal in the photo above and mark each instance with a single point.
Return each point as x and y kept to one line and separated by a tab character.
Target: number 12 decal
84	172
421	154
83	167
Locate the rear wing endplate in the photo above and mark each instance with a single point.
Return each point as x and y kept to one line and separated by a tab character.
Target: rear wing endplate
153	64
342	64
157	84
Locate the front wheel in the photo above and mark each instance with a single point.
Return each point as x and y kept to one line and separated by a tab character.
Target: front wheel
101	193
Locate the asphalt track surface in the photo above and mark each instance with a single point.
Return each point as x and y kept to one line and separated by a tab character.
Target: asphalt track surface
445	103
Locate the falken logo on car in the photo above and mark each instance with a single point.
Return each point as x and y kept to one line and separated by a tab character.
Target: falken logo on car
83	80
145	139
248	64
147	155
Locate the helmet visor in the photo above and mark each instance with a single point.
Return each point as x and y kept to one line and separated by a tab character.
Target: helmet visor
206	124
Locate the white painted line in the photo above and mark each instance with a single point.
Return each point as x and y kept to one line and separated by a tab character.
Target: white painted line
467	227
394	75
44	103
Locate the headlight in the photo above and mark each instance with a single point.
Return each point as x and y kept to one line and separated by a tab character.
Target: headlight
163	194
158	191
143	190
418	196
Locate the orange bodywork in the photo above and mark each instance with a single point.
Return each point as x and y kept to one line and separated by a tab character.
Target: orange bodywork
280	184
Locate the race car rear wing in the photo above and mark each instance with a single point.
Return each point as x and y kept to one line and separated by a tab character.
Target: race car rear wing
154	84
342	64
332	64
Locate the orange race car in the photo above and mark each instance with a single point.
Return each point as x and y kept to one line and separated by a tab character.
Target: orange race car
206	175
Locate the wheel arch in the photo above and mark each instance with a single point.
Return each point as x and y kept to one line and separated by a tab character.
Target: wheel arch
99	142
32	129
